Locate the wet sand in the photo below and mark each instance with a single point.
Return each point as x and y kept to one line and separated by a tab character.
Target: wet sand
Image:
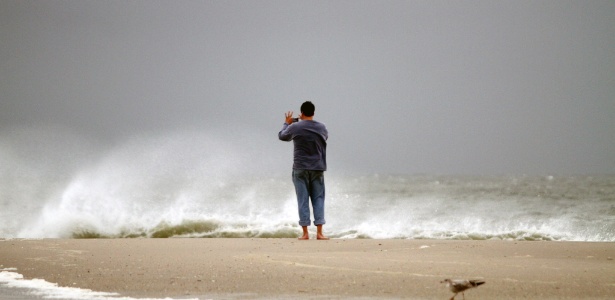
334	269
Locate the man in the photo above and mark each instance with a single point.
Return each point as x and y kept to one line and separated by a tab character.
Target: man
309	163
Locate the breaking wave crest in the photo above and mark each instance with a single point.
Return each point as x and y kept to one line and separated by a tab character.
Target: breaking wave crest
197	185
195	229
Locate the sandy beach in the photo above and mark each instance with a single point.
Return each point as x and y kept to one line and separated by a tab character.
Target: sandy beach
334	269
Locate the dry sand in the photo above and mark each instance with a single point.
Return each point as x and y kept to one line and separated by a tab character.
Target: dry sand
334	269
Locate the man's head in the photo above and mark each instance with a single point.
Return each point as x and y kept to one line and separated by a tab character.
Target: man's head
307	109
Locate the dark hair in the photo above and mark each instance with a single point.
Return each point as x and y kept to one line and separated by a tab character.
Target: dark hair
308	108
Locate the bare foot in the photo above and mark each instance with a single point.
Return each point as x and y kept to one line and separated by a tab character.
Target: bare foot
304	237
321	237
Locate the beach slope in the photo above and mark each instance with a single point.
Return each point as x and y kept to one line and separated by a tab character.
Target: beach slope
334	269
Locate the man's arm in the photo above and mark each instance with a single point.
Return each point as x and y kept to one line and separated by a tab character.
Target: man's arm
285	134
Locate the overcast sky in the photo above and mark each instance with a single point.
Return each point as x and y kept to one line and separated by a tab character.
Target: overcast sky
437	87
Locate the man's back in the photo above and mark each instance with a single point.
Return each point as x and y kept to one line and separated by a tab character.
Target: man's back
310	144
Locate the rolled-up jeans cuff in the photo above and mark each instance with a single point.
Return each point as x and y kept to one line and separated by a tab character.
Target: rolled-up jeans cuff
310	185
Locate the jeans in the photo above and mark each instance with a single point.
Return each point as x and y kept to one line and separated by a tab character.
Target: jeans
310	184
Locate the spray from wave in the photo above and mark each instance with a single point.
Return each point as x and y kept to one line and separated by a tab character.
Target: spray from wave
195	184
175	185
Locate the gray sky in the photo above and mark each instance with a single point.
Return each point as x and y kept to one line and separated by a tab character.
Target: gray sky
438	87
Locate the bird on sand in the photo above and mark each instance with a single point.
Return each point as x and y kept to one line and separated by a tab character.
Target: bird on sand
460	285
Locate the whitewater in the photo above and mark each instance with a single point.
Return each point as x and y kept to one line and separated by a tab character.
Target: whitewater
199	186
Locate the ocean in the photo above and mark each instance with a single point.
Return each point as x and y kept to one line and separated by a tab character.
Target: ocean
205	185
116	203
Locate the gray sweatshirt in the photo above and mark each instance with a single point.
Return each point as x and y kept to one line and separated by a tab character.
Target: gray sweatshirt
310	144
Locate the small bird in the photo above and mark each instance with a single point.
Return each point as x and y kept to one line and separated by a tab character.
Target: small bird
460	285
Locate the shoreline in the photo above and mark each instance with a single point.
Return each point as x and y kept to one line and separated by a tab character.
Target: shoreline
261	268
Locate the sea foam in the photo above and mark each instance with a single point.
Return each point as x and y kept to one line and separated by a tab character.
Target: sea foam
46	290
